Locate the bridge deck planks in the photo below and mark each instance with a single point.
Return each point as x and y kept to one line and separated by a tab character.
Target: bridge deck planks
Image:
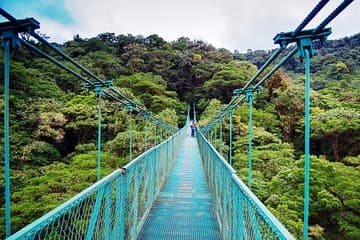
184	208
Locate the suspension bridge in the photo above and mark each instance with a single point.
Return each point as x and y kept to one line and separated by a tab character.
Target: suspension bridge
183	187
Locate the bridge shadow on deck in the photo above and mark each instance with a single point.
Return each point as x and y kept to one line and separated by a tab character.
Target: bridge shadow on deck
184	208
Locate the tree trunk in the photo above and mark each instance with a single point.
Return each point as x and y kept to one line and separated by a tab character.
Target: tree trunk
335	148
287	128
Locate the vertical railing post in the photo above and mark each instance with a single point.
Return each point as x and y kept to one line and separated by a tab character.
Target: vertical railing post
155	172
152	178
215	136
10	41
161	132
220	140
306	51
108	212
256	234
118	210
94	214
212	135
223	200
99	93
129	109
145	132
307	143
249	99
134	205
155	132
167	159
230	136
7	43
123	197
233	210
173	148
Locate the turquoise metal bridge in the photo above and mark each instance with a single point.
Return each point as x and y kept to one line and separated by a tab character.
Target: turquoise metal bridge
182	188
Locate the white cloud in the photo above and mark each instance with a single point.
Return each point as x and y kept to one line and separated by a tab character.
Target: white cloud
233	24
56	31
253	24
170	20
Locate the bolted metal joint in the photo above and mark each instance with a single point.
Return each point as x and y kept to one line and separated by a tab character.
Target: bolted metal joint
238	91
98	91
145	116
258	89
303	44
121	105
303	39
13	38
249	94
98	86
123	171
9	30
129	107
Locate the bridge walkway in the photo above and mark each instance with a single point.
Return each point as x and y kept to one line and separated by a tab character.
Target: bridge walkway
183	208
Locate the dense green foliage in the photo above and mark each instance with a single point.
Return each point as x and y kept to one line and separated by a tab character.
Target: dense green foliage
54	123
277	160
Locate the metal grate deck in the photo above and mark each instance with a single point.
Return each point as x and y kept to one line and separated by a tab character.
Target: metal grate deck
184	208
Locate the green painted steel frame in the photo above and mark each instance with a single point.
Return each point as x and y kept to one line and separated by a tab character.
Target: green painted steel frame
307	145
304	41
145	132
98	91
306	51
240	214
230	136
249	99
221	138
9	33
6	138
303	38
129	109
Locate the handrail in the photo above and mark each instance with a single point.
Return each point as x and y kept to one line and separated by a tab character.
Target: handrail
54	214
240	214
114	207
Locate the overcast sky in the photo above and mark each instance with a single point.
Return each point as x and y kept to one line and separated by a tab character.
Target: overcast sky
231	24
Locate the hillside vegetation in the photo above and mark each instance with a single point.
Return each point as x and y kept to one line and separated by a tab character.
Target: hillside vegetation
54	123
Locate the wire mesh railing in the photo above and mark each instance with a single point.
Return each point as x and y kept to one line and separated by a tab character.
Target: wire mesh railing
116	206
240	214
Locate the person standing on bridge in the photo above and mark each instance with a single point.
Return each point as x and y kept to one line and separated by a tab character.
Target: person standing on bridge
192	127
